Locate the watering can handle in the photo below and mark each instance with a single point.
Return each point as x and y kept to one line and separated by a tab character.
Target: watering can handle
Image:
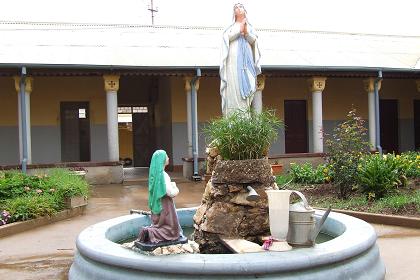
305	202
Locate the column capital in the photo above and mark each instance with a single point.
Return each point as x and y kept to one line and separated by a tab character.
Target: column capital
112	82
369	84
316	83
187	84
260	82
29	84
418	85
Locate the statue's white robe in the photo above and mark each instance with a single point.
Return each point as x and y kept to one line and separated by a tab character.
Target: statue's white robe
229	87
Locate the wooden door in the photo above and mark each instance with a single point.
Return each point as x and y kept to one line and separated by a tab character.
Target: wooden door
75	131
388	111
416	124
143	138
295	122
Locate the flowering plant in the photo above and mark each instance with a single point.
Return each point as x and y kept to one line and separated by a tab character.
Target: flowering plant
346	147
4	217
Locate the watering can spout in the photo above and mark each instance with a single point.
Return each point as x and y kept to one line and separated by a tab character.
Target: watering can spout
321	222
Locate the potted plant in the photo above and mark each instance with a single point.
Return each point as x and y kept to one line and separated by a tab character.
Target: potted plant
277	168
244	134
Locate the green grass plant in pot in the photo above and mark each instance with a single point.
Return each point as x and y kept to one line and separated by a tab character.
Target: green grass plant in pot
244	134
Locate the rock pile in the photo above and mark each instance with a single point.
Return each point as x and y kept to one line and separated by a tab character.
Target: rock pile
189	248
225	210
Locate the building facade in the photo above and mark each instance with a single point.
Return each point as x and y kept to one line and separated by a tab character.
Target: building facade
105	100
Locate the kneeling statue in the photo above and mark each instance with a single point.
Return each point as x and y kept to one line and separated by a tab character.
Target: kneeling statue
165	229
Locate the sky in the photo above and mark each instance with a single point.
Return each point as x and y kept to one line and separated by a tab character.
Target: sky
355	16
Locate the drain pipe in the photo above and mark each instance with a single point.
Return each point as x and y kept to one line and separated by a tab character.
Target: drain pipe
194	121
22	85
377	121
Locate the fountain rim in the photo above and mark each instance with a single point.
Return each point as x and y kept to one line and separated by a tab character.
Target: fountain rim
356	238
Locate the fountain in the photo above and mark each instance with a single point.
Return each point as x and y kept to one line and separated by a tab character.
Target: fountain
235	205
351	254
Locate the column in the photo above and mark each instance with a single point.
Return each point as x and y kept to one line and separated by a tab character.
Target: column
189	123
257	100
316	86
187	87
369	85
112	85
28	90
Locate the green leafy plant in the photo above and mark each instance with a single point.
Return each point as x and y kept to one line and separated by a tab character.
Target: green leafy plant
29	207
411	162
345	149
243	134
307	174
26	197
377	176
283	180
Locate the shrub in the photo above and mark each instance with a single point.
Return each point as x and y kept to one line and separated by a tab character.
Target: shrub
243	134
15	183
411	161
345	150
29	207
306	174
26	197
398	163
378	176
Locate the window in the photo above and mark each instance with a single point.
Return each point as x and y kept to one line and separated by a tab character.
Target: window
82	113
140	110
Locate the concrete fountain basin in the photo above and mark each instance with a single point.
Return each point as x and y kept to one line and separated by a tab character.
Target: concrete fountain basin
352	254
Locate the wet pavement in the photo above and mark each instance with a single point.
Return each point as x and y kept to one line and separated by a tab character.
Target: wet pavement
47	252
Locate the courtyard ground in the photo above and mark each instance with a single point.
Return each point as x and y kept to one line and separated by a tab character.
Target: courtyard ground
47	252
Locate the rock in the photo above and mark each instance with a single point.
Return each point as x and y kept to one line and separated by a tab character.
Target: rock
210	159
218	191
187	248
199	214
207	191
194	246
223	218
255	223
128	245
212	151
242	172
157	251
175	249
240	199
225	212
235	188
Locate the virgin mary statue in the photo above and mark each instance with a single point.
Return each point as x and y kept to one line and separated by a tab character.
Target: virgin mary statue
240	64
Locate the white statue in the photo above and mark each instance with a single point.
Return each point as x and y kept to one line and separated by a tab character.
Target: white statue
240	64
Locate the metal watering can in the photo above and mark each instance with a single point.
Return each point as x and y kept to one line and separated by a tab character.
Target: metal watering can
303	228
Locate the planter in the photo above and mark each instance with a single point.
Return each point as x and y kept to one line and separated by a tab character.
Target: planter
17	227
277	169
80	173
75	201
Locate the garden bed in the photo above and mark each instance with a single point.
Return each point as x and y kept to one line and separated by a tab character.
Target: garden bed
17	227
27	197
404	201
